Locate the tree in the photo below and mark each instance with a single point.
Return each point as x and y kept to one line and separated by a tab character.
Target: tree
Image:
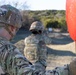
20	5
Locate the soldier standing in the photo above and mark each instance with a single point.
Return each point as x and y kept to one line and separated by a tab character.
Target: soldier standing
35	45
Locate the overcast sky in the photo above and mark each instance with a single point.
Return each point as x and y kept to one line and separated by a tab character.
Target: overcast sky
38	4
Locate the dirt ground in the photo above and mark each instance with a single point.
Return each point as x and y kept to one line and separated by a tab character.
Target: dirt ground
61	51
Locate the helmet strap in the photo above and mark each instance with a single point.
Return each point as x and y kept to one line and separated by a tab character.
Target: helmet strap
40	32
6	27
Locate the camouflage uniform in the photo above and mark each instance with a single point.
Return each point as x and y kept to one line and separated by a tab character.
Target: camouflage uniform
11	60
35	45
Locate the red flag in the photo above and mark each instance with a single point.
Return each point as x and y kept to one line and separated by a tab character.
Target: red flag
71	17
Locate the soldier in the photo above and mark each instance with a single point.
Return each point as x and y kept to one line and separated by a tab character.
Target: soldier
35	45
11	60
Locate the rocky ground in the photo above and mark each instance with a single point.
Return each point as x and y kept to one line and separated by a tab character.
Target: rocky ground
61	51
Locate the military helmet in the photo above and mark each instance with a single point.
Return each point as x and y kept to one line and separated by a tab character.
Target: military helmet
37	25
9	15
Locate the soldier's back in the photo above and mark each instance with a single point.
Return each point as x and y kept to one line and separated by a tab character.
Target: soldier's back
31	47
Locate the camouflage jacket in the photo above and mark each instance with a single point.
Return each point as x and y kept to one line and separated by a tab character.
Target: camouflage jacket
35	48
13	62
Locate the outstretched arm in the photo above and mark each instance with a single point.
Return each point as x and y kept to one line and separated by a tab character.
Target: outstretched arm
59	71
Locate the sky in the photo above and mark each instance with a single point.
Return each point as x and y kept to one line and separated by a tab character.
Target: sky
37	4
